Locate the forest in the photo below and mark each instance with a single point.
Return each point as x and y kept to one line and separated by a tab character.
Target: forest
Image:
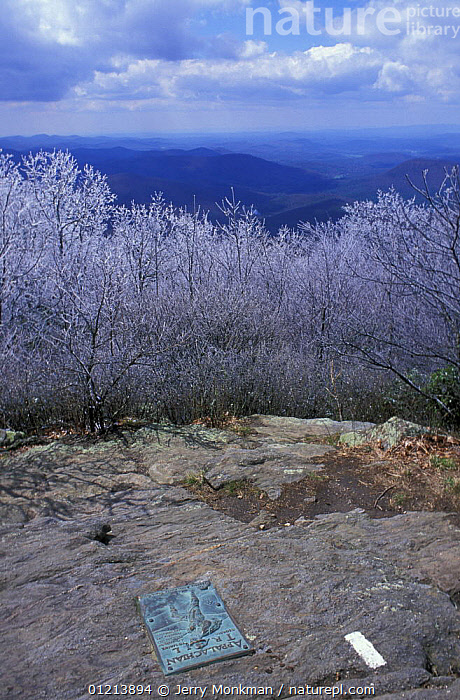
154	312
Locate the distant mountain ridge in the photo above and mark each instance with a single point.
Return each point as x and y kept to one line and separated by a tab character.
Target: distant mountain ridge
402	178
310	183
236	169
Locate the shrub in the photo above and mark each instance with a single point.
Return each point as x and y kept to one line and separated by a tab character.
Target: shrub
445	384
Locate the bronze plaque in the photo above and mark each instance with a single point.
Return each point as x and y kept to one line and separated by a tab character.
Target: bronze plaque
190	627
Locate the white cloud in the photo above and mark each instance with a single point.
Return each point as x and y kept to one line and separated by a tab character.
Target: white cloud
252	48
395	77
151	51
50	46
312	69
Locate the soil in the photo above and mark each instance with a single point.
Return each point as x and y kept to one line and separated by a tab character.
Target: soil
418	475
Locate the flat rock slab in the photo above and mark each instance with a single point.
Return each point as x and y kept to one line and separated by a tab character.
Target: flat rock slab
451	692
63	479
86	531
269	467
172	454
281	429
68	597
60	478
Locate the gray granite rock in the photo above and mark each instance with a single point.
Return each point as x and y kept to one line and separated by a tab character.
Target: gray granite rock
450	691
9	437
269	468
225	457
63	479
280	429
70	618
388	434
97	532
389	682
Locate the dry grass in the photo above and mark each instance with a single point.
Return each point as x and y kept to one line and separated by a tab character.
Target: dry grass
423	473
240	426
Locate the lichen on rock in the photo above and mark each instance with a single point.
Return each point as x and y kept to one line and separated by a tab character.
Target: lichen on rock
387	434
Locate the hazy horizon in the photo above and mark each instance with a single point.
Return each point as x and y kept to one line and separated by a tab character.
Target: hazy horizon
422	127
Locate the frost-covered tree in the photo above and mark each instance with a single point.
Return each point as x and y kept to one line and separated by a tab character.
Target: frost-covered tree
409	269
70	204
158	311
20	239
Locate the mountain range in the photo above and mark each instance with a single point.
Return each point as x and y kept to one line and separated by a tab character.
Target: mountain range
306	178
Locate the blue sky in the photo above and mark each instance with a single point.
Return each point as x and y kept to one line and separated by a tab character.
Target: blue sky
127	66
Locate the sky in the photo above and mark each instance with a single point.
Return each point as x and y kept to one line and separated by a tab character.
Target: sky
150	66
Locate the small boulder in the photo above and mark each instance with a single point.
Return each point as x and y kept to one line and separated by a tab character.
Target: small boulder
388	434
8	437
354	438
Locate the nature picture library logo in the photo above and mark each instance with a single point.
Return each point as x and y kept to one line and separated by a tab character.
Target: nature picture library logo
422	20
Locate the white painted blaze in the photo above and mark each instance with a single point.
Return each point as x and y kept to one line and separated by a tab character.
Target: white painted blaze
365	649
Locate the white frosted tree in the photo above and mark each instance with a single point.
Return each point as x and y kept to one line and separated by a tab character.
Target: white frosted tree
157	310
410	267
20	239
70	204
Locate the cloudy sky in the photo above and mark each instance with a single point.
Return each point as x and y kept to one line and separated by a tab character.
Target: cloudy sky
143	66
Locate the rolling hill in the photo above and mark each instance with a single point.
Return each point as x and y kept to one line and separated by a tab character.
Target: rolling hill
230	169
304	180
399	177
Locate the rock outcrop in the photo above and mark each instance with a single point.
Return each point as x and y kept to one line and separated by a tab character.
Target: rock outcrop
9	437
387	435
269	468
86	530
286	429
